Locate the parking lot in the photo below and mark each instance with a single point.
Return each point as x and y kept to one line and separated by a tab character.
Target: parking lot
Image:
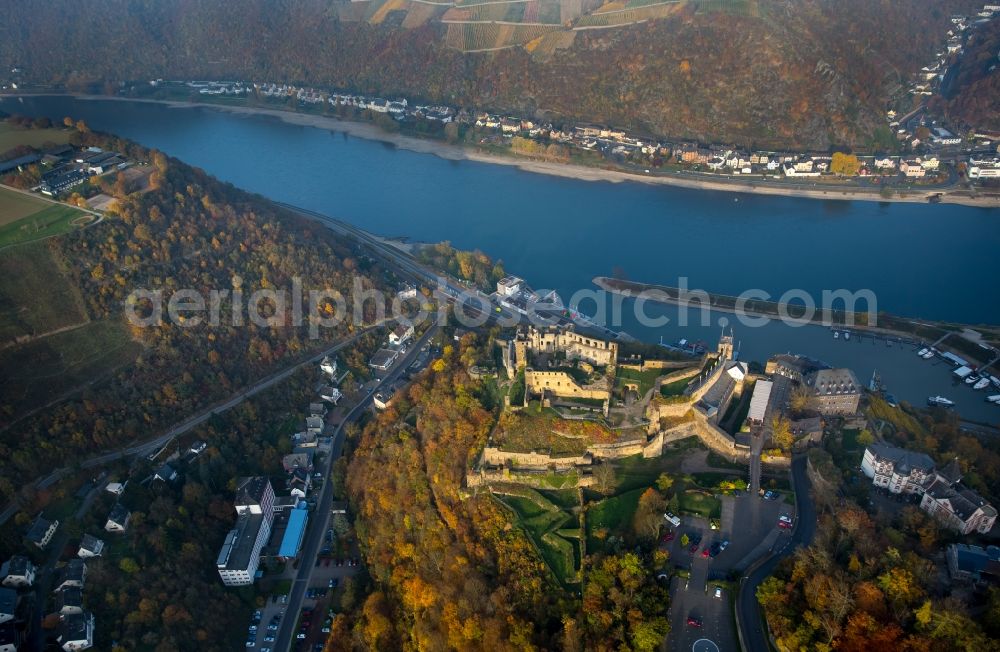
750	525
329	570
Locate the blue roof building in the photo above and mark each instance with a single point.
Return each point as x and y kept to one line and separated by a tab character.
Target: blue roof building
294	533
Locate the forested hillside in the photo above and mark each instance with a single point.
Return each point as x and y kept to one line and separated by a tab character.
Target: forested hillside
188	231
972	96
451	570
806	73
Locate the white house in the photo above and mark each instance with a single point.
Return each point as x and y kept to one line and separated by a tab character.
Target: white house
331	394
401	334
328	366
118	519
76	632
898	470
72	575
17	572
90	547
42	531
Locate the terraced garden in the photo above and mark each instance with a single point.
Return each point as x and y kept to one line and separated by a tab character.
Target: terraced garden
551	527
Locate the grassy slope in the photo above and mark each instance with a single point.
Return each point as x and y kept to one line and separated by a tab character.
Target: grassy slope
45	369
35	295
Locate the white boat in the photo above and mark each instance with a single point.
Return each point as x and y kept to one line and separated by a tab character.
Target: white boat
994	399
971	378
836	335
939	401
995	381
928	355
982	383
922	352
847	335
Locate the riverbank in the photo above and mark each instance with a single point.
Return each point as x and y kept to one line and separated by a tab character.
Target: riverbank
974	342
447	151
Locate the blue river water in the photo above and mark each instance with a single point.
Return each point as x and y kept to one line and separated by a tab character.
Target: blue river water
920	260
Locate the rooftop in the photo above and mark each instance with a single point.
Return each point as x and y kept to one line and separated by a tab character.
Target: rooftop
118	514
239	544
903	460
758	402
833	382
38	529
17	565
251	491
294	532
976	560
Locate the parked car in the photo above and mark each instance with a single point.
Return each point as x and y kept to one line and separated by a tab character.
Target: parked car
705	553
718	592
769	495
715	549
694	548
694	622
669	536
332	583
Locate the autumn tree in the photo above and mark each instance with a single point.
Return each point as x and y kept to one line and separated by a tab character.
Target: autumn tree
781	432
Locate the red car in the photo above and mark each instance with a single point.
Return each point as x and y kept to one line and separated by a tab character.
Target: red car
693	622
704	553
669	536
787	526
694	548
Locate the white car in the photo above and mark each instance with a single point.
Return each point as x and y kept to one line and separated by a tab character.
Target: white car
718	592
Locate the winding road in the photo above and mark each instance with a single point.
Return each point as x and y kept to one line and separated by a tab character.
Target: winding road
749	620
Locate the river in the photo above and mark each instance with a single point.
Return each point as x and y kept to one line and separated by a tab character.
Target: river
929	261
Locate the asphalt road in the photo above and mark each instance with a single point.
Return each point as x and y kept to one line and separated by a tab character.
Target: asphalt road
313	540
748	613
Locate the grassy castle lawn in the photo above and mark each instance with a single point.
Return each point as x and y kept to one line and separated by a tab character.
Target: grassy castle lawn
544	431
24	218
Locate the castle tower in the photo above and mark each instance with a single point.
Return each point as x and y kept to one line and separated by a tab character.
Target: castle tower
725	348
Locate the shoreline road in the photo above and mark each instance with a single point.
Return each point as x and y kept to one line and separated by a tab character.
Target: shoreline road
314	534
749	620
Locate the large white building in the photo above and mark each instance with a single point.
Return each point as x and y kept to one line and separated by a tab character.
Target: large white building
240	554
898	470
942	494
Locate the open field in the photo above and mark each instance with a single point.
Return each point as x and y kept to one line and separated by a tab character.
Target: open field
35	295
11	136
54	219
24	218
47	368
16	205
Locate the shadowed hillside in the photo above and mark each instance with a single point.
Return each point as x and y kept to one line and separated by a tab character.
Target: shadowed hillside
805	73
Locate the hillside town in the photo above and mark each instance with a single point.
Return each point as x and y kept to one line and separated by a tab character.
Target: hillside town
927	151
931	160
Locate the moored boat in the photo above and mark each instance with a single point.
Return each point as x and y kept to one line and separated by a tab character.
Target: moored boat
993	399
971	378
940	401
922	352
982	383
